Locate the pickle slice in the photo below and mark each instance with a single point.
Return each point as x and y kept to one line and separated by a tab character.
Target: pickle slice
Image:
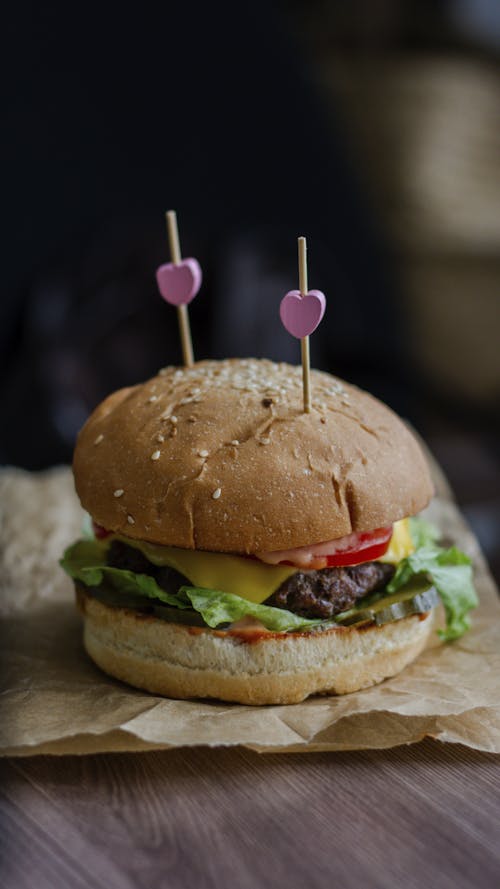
418	604
417	597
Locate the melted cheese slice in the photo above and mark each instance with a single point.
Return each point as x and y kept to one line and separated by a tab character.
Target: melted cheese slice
401	544
249	578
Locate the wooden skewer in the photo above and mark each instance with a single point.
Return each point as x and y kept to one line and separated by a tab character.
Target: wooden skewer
173	236
304	342
182	311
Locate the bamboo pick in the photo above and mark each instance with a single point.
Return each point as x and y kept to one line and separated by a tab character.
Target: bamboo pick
304	342
182	311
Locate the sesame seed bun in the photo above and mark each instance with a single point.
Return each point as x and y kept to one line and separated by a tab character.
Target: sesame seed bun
222	457
271	668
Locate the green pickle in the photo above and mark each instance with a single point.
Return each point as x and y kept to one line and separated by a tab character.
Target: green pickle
417	597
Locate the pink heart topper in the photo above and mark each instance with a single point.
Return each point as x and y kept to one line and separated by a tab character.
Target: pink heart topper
179	284
301	315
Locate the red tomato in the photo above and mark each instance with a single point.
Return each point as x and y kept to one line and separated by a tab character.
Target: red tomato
370	545
99	531
351	550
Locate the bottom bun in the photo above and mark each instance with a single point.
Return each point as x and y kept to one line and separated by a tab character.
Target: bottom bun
181	661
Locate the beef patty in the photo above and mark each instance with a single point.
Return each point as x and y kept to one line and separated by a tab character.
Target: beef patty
315	594
324	593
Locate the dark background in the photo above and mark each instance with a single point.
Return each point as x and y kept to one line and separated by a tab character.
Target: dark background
371	127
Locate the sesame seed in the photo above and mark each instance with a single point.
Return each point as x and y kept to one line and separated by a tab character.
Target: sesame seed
160	437
153	398
173	419
203	453
155	455
264	441
235	442
216	494
119	492
130	520
99	439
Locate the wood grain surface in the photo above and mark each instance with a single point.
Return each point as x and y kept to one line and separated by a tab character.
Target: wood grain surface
421	816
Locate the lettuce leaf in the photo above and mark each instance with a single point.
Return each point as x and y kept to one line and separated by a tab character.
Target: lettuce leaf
86	561
218	608
450	571
423	533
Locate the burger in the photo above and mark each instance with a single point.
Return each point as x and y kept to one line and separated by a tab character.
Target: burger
245	550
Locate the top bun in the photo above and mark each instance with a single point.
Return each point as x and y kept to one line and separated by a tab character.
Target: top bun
221	456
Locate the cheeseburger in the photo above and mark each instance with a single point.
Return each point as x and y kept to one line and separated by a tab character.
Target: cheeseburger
245	550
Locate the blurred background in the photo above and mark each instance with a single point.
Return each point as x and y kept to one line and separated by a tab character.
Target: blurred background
372	126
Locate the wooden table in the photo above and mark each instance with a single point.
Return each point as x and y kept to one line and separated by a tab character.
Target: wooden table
421	816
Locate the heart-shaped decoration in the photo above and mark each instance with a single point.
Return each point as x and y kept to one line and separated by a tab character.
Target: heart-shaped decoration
179	284
301	315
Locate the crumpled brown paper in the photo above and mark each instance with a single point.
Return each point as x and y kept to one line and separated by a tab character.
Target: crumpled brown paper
56	701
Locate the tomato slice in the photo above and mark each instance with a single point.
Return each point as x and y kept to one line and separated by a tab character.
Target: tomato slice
99	531
351	550
371	546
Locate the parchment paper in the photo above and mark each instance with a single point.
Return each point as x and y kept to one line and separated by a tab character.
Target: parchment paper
56	701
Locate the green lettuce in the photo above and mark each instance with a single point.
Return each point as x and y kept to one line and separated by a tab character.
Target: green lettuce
85	561
423	533
450	570
218	608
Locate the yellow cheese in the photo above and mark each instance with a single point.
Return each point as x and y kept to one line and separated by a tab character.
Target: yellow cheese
244	577
249	578
401	544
